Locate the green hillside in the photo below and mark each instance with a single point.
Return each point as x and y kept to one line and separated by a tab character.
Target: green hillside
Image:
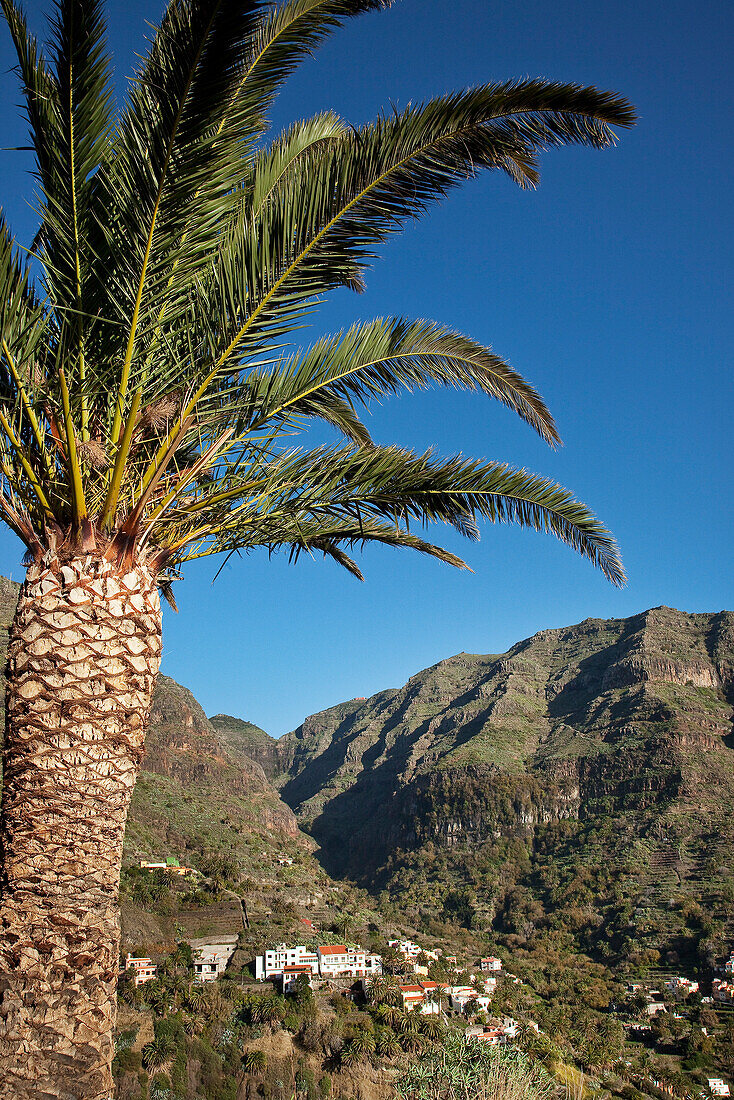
580	782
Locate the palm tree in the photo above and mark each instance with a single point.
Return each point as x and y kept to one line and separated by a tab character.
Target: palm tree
156	1053
432	1027
149	415
254	1061
389	1013
387	1044
358	1048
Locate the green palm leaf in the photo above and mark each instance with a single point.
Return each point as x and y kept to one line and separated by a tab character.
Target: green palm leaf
179	250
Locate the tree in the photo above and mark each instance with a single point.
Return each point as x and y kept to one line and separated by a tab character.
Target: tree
149	415
462	1069
254	1061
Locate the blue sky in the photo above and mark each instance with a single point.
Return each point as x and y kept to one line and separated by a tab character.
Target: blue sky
608	288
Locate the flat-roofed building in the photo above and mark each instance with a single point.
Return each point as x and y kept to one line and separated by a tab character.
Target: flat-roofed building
144	970
212	956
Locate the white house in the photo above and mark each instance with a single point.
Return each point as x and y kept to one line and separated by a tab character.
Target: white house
414	997
683	986
211	957
412	950
339	961
461	995
718	1087
491	964
291	974
169	864
143	969
373	966
271	965
722	991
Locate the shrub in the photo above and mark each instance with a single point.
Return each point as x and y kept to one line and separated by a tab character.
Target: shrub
463	1069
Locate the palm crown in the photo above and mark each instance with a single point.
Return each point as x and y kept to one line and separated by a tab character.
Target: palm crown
148	401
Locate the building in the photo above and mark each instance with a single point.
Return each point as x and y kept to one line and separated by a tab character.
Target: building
338	961
491	964
373	966
291	975
729	966
492	1036
682	986
143	969
722	991
718	1087
414	997
170	864
411	951
211	957
270	966
461	995
341	962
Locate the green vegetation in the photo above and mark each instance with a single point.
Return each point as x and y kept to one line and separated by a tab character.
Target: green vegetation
466	1070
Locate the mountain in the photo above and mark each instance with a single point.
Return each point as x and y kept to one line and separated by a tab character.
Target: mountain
604	749
624	713
243	739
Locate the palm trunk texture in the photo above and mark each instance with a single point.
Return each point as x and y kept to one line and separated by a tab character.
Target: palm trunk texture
82	661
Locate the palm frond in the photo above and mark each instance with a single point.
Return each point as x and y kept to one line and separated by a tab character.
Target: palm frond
357	191
379	358
381	484
166	156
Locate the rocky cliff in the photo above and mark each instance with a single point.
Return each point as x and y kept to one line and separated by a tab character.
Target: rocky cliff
628	715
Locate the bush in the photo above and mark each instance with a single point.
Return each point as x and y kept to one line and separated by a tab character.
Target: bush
463	1069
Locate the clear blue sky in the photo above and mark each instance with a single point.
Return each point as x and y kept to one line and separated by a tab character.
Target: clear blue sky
609	288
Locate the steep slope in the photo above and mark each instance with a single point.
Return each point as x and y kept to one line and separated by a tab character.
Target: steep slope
219	793
581	781
244	739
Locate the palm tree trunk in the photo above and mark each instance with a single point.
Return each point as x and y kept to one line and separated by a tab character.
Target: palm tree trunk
83	656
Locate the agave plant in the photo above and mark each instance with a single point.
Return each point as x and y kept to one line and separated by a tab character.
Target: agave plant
151	408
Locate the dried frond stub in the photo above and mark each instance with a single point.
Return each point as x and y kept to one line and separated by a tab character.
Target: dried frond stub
94	453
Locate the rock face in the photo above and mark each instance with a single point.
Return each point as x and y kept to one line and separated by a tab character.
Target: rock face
246	740
183	744
603	717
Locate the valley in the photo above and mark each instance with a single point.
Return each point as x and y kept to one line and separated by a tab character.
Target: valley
565	807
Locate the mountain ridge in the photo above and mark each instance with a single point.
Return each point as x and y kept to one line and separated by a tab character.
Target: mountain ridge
604	712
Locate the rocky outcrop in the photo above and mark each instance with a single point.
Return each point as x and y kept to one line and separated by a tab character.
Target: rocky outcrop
246	740
182	744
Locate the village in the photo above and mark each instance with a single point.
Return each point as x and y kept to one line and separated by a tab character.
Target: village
357	973
424	981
